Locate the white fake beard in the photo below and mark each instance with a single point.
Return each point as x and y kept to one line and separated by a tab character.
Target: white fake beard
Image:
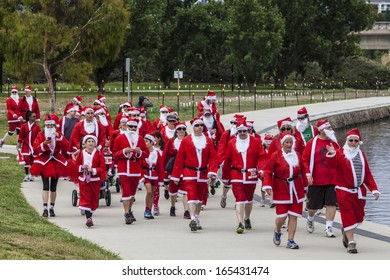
89	127
170	132
199	141
291	158
163	118
15	97
49	132
103	120
350	152
242	145
176	143
208	122
152	159
331	134
302	125
233	129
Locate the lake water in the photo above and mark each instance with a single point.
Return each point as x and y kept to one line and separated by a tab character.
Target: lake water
375	138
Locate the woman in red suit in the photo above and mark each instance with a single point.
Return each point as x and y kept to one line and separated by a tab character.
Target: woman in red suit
28	133
49	163
285	175
91	170
352	180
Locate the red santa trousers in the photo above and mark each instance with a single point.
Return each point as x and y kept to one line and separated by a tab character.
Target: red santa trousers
129	186
89	195
294	208
195	190
243	192
174	189
351	209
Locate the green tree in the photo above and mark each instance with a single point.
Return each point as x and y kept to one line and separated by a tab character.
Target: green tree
255	36
62	37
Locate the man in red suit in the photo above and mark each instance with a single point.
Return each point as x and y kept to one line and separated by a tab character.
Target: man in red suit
352	180
303	129
76	102
212	127
129	152
87	126
320	176
13	115
29	103
196	161
244	163
209	103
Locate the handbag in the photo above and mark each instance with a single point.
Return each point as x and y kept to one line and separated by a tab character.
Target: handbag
170	164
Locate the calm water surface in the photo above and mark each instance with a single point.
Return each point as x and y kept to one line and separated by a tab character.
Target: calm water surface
376	146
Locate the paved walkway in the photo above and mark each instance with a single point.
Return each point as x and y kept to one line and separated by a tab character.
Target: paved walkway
169	238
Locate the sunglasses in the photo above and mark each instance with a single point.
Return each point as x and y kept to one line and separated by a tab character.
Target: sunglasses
198	125
164	112
353	140
233	122
207	115
132	126
242	131
285	129
301	118
135	115
181	129
14	92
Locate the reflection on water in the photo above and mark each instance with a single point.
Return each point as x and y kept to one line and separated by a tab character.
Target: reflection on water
375	138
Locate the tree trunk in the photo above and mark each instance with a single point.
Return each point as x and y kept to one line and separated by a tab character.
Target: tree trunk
49	80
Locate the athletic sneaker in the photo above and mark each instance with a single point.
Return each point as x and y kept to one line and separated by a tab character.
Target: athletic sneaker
310	226
262	203
89	222
223	202
31	178
166	194
212	190
148	215
198	226
187	215
45	213
156	210
248	224
329	233
26	178
277	237
352	247
193	226
240	228
172	211
51	212
1	143
292	245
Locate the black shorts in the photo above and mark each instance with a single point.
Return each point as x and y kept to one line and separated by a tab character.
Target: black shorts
319	196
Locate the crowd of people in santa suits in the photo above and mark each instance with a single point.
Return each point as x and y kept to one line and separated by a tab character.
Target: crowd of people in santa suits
303	162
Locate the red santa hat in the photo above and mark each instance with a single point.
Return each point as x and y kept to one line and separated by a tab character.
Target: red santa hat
302	112
180	124
99	110
51	119
134	111
286	135
97	102
69	108
250	123
170	110
101	97
196	121
132	122
88	108
14	89
163	108
142	111
77	99
237	116
241	124
322	124
27	88
127	104
268	139
124	119
149	137
90	136
355	133
286	121
211	95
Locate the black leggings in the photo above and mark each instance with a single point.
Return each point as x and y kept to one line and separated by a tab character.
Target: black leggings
52	186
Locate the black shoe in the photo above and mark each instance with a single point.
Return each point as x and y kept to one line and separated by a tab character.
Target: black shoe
248	224
132	216
45	213
172	211
212	190
128	219
187	215
51	212
166	194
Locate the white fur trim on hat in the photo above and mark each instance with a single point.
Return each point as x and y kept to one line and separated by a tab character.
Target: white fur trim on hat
132	122
287	136
50	122
86	137
149	137
101	110
323	126
71	109
241	127
198	121
268	142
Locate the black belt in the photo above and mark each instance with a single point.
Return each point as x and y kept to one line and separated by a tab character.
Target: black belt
132	159
195	168
241	170
289	179
152	168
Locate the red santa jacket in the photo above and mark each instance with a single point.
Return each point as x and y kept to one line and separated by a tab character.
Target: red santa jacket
118	118
219	131
276	145
277	171
129	164
79	133
223	144
79	108
213	107
43	153
24	106
188	165
153	167
96	161
13	110
27	135
346	179
165	134
236	170
299	135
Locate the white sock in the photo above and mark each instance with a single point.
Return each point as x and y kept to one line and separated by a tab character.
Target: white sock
329	224
310	219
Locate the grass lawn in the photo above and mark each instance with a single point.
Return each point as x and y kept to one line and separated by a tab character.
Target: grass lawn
25	235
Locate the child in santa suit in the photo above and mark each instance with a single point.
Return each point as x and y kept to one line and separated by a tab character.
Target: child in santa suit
91	169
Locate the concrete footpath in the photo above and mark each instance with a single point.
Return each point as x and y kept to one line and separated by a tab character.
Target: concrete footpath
170	238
